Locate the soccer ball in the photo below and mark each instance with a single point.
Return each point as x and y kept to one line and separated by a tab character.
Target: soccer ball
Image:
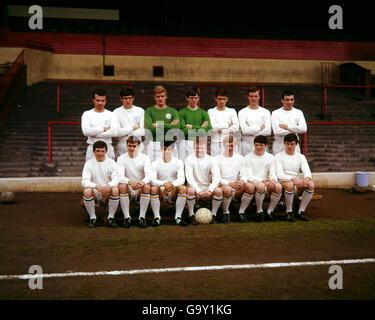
203	216
7	197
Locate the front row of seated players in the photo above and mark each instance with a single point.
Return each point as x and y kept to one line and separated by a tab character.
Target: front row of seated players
221	179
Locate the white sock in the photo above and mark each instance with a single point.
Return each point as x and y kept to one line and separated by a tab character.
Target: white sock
124	203
274	200
190	205
112	206
216	202
289	196
90	207
180	205
155	205
144	202
306	197
226	202
259	198
245	201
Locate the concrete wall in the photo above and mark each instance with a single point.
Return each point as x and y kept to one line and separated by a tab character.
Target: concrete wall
43	65
341	180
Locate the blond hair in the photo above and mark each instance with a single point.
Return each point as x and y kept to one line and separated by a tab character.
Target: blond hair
159	89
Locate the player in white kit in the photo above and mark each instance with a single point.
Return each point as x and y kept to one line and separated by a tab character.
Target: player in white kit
167	183
285	120
130	119
230	165
100	181
260	170
289	164
99	124
203	177
254	121
134	181
224	121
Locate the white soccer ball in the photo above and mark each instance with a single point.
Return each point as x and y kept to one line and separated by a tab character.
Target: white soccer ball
7	197
203	216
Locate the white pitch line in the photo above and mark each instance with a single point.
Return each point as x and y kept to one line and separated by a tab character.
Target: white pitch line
201	268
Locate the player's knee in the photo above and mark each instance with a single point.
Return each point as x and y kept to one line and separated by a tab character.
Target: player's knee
218	192
154	190
88	192
181	189
260	187
227	192
190	192
146	188
123	188
311	186
278	188
289	186
115	192
249	187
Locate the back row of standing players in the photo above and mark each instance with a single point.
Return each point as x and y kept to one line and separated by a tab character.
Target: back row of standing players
155	169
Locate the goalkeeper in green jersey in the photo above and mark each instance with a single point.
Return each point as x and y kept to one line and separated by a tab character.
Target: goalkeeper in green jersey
160	119
194	121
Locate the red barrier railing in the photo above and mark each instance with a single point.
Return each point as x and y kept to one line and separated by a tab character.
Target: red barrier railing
233	84
59	82
7	79
50	123
304	136
324	93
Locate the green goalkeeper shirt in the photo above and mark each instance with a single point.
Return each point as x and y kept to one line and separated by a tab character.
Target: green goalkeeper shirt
196	119
167	116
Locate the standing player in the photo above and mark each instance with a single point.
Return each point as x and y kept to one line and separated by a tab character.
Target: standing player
289	163
259	167
159	119
203	177
131	120
224	121
100	181
230	165
99	124
192	119
134	181
168	184
285	120
254	121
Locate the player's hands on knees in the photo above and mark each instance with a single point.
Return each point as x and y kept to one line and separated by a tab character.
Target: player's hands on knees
168	186
134	185
205	195
235	185
298	183
270	184
306	182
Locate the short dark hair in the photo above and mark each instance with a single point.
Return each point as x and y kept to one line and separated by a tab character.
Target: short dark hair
290	137
261	139
133	139
99	144
127	92
287	93
99	92
253	89
192	92
221	92
167	144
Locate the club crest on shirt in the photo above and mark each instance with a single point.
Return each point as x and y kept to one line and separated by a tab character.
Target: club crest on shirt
107	123
206	170
140	168
174	174
108	173
168	116
268	166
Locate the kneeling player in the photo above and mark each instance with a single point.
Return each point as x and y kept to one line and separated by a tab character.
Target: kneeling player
289	163
260	170
168	183
134	180
100	180
230	164
203	177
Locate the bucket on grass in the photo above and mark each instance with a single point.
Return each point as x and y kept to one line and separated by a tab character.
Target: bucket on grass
362	179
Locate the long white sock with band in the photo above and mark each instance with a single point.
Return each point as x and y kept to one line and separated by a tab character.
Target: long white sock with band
144	202
306	197
226	203
245	201
289	196
155	205
190	205
274	200
259	198
90	206
180	204
216	202
124	203
112	206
